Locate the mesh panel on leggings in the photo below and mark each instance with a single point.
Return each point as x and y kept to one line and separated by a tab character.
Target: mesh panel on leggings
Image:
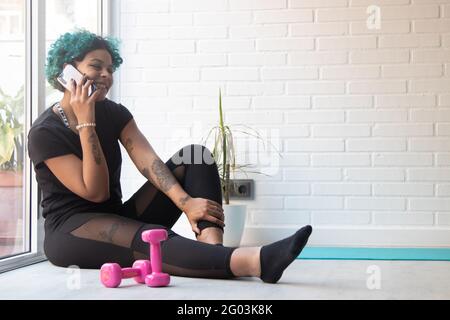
181	256
189	258
109	228
144	196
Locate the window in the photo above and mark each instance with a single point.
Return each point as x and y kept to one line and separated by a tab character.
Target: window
27	29
12	128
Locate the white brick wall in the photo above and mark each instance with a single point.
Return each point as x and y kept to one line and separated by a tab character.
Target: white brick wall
361	115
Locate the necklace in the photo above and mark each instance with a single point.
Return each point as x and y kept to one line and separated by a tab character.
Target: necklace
63	115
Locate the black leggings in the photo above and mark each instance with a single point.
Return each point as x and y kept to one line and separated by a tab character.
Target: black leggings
89	239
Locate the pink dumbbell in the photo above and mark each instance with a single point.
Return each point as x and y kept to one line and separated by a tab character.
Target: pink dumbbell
157	278
111	274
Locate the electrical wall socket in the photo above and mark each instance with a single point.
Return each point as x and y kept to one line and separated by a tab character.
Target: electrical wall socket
242	189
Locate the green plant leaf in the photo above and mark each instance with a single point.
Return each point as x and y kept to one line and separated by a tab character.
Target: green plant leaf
258	135
11	129
6	143
224	151
213	129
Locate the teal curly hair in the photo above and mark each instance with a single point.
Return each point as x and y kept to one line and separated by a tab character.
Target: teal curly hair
73	46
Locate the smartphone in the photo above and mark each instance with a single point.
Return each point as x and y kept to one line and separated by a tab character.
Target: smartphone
70	72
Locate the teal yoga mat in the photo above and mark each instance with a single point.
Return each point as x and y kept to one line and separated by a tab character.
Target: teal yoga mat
335	253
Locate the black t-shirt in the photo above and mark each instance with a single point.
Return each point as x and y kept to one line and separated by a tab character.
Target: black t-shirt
49	137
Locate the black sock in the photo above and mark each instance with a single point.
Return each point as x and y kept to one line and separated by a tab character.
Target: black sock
277	256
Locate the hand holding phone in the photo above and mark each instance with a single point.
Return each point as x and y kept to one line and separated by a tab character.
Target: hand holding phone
69	73
83	93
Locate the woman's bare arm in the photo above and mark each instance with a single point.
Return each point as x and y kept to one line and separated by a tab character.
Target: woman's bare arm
89	177
150	165
156	171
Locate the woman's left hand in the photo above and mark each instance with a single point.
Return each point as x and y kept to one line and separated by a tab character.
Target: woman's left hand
197	209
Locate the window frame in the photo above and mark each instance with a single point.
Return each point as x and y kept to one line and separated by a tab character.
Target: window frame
35	55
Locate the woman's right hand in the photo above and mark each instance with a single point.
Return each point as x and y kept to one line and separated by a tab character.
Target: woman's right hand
83	106
197	209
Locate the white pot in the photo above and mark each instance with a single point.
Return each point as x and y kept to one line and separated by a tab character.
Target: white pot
235	216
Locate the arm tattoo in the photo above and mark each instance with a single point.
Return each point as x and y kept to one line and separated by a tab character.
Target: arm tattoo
146	174
184	200
95	149
108	235
129	145
165	178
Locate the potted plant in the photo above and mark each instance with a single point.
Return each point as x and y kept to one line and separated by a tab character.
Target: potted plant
11	133
11	165
224	154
